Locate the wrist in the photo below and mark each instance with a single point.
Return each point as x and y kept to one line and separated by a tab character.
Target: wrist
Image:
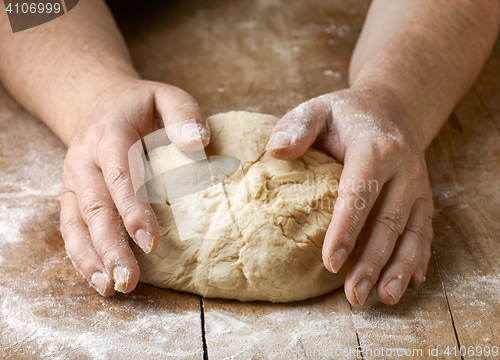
92	97
411	115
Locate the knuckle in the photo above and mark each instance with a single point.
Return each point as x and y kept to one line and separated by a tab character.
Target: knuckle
407	264
129	207
388	147
369	273
378	260
95	210
371	267
131	214
423	233
76	163
389	144
359	192
417	168
96	131
109	253
349	231
113	250
403	268
392	222
118	178
70	227
71	162
116	254
91	134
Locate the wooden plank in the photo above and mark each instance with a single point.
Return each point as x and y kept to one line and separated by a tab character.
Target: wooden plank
419	326
264	56
47	310
465	180
316	328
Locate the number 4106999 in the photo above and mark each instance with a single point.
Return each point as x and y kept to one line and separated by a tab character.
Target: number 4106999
27	8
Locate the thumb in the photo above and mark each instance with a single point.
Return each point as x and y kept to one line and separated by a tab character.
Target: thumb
184	121
298	130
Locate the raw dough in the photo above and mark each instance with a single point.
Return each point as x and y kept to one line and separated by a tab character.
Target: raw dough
272	250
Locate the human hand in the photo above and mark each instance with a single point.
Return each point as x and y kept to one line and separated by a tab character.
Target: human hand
384	193
98	204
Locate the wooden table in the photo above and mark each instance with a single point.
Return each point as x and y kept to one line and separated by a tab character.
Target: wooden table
265	56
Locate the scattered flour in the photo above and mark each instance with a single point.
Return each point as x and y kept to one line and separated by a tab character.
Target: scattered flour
12	217
27	182
281	333
337	30
334	74
475	302
154	333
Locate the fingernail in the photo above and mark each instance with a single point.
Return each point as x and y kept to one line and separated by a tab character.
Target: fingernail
145	240
121	276
419	273
193	132
337	260
279	140
100	282
394	288
362	290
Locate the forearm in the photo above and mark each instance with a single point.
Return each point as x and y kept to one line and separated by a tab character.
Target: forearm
427	53
58	69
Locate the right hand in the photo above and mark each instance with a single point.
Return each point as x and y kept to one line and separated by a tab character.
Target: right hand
98	206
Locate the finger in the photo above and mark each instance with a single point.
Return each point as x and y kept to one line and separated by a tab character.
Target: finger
413	250
298	130
424	232
138	217
378	238
359	187
79	246
184	121
105	227
418	276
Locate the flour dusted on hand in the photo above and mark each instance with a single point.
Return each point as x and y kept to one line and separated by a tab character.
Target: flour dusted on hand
271	251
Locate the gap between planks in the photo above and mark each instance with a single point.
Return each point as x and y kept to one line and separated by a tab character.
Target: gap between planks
446	298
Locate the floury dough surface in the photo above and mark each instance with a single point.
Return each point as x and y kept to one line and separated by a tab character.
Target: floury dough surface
271	251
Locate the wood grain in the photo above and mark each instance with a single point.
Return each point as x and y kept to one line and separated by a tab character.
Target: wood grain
418	324
266	56
317	328
464	165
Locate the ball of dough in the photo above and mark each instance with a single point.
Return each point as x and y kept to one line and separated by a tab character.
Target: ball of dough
278	211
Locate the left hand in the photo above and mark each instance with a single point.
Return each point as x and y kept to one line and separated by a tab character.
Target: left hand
384	193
